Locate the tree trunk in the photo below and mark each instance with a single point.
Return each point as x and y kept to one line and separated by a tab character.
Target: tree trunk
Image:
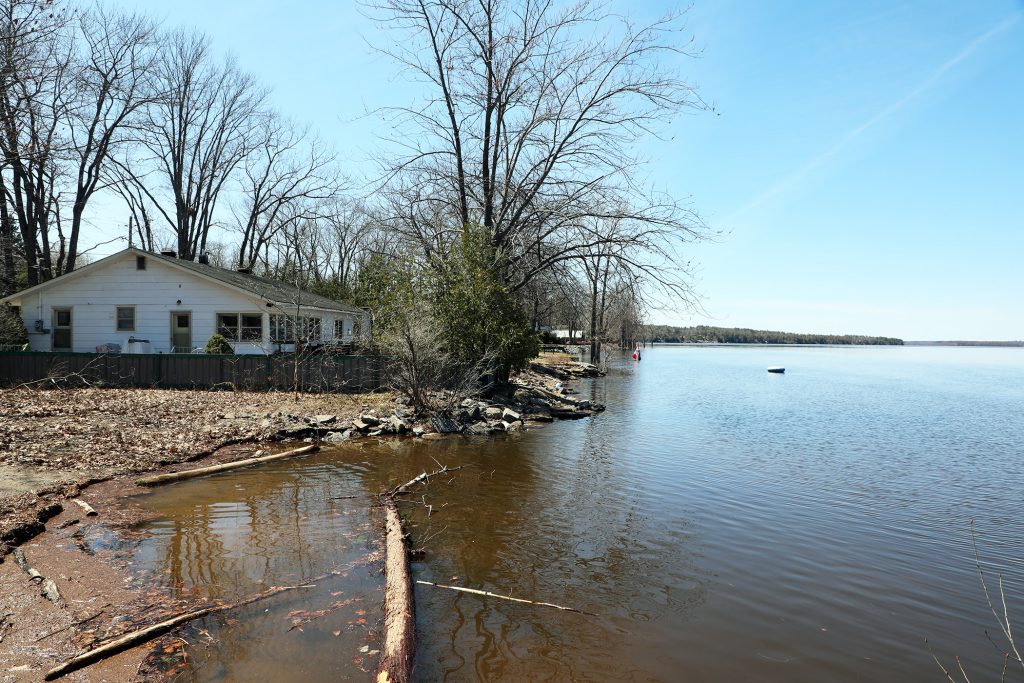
399	644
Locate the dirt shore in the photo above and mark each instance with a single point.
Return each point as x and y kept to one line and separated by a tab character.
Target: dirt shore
87	444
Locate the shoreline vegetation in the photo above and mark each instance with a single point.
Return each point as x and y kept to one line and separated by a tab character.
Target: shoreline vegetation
706	334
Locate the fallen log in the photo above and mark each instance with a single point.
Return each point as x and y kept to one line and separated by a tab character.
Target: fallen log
47	588
489	594
398	646
158	479
399	641
143	635
86	508
557	373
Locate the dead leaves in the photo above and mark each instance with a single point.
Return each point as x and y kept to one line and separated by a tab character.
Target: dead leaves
137	429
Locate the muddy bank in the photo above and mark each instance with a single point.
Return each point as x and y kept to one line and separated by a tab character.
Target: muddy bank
84	556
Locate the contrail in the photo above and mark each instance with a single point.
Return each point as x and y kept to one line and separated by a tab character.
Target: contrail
885	113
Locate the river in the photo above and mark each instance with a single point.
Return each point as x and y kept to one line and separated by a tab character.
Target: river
726	524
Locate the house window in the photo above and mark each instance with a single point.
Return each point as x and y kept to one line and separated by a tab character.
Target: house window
240	326
125	318
339	329
281	329
140	263
311	329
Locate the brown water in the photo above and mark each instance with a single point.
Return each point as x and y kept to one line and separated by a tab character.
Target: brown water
726	525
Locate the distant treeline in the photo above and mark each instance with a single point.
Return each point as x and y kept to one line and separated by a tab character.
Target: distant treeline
965	342
742	335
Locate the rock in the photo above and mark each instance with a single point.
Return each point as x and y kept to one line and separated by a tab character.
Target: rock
583	405
394	425
322	419
335	437
360	425
509	415
444	424
376	432
492	412
402	400
522	394
418	431
369	420
540	417
467	403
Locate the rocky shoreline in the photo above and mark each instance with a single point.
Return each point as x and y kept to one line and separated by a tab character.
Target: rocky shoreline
538	395
43	523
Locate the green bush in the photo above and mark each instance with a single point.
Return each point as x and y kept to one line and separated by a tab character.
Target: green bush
218	344
478	315
12	329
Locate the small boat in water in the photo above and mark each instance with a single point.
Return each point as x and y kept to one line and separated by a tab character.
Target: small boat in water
777	369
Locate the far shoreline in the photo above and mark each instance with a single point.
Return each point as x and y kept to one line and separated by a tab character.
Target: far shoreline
942	344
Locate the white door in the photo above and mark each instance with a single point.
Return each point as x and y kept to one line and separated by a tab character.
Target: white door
181	332
61	329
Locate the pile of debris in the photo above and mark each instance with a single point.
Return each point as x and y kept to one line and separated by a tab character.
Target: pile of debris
567	370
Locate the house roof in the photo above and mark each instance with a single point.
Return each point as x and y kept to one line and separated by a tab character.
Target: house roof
274	291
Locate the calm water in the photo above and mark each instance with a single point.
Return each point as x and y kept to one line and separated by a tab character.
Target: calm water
726	524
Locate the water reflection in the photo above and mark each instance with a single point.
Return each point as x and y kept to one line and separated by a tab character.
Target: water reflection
726	524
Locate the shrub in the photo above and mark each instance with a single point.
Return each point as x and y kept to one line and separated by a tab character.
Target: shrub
479	316
218	344
12	329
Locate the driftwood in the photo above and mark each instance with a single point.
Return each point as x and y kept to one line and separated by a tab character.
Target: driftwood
47	588
158	479
489	594
549	371
143	635
399	641
86	508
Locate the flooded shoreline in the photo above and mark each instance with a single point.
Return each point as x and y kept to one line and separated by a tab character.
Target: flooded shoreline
718	520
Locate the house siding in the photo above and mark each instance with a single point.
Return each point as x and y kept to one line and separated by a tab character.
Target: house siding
155	293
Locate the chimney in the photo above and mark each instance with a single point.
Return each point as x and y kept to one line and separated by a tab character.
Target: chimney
204	259
169	252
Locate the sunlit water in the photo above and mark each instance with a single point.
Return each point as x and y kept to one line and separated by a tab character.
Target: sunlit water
725	524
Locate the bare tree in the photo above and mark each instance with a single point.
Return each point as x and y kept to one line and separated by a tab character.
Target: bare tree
110	86
204	125
287	169
35	65
529	127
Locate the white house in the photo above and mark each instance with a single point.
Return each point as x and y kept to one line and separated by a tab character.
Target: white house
156	303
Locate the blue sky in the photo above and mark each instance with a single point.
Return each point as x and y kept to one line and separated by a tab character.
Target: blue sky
865	160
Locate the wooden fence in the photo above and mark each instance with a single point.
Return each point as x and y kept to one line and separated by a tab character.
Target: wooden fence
317	373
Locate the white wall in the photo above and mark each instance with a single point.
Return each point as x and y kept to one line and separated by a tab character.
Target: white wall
155	292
